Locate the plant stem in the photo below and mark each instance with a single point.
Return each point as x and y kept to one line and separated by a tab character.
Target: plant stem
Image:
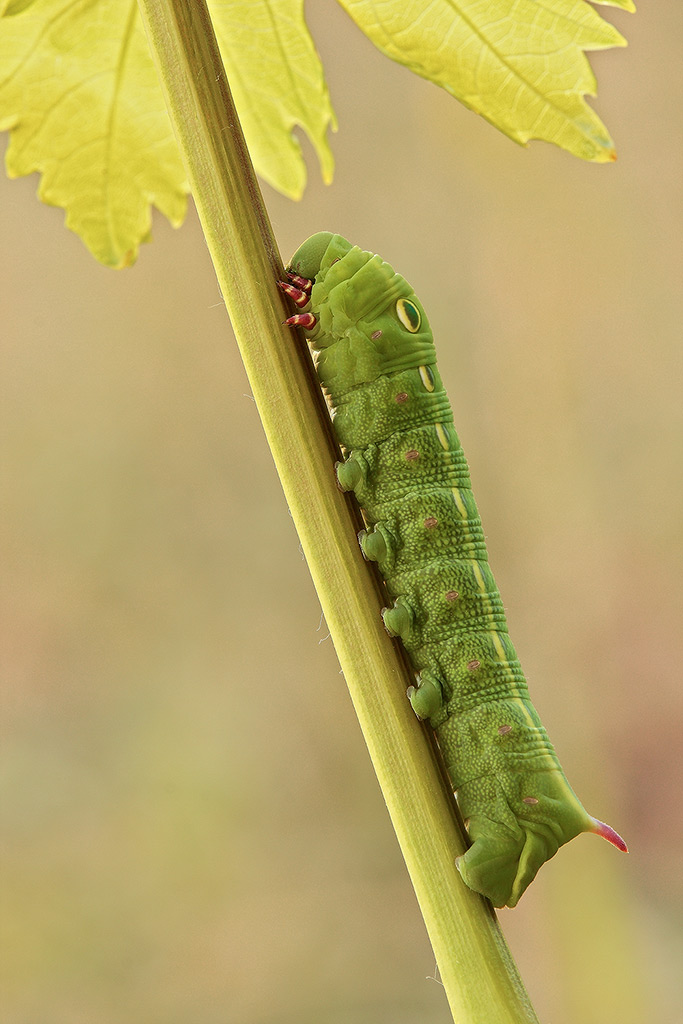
478	973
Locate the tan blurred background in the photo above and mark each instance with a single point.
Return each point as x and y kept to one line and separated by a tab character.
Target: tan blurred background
191	827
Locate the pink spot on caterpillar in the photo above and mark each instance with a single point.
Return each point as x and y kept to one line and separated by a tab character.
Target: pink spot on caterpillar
430	522
472	666
412	455
452	595
504	730
529	800
401	397
608	833
375	335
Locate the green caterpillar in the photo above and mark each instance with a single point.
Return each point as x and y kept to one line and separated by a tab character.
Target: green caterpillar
376	361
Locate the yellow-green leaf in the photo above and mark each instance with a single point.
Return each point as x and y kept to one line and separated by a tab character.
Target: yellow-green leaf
80	93
277	82
627	5
518	63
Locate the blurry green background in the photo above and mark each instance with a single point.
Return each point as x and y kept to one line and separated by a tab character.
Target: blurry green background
191	827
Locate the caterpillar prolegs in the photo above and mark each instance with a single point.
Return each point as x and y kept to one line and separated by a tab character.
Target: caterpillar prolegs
375	358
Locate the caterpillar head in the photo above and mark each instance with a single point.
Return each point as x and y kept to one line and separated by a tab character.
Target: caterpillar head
308	258
368	322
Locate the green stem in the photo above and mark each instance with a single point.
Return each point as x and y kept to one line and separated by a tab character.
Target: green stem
478	973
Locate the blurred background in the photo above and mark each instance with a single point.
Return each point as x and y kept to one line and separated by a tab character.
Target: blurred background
191	827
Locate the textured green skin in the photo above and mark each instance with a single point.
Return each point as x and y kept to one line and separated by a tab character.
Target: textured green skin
404	462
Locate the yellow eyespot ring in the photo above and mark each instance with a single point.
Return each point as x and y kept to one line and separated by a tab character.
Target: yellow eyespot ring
409	315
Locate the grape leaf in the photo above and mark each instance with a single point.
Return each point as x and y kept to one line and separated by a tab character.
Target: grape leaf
80	93
82	98
277	82
518	63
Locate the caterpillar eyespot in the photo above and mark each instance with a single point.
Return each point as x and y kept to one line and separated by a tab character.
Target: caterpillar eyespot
409	315
391	416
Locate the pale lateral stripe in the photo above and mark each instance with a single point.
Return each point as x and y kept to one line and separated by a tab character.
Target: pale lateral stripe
442	435
497	643
481	582
460	504
427	382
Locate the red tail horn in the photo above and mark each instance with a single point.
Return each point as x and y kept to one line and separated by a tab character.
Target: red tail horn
608	833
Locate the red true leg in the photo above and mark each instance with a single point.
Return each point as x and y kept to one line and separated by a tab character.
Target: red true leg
298	296
306	320
301	282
